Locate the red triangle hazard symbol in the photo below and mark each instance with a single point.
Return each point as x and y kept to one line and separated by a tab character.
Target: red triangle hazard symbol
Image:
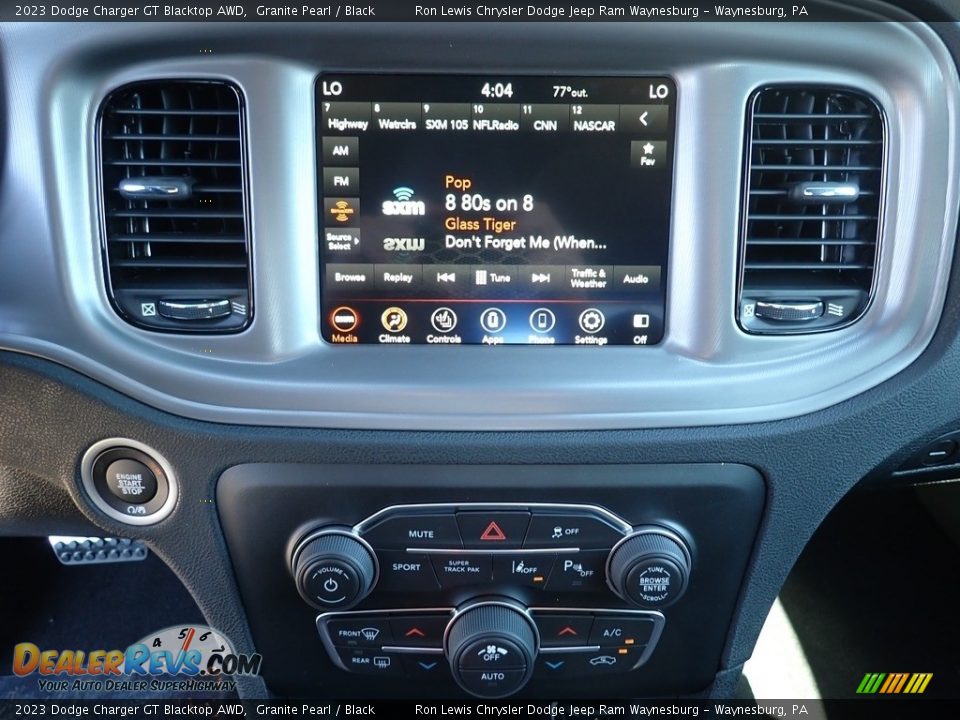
493	532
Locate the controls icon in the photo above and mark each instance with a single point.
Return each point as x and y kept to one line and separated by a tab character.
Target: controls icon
394	319
443	319
591	321
344	319
493	320
542	320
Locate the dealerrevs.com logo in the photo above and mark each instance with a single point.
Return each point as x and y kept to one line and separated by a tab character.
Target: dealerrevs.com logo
187	657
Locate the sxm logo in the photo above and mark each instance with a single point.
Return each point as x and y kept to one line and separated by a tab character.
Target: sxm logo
894	683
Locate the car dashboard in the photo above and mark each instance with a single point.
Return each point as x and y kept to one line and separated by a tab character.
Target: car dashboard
693	283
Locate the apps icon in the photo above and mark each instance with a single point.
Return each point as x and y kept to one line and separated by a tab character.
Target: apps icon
493	320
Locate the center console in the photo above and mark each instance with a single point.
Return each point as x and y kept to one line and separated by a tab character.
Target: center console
464	576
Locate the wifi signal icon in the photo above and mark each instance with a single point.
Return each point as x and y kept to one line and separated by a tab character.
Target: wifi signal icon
403	193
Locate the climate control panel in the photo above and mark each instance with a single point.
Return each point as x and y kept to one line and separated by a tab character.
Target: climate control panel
509	559
432	581
491	647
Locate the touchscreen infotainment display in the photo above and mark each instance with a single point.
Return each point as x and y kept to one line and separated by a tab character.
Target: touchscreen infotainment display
494	210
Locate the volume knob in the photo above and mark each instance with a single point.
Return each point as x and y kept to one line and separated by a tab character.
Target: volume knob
651	568
334	570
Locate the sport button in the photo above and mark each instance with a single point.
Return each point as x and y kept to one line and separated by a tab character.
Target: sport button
492	530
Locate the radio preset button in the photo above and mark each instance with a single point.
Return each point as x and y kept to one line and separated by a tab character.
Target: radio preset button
406	572
580	531
402	530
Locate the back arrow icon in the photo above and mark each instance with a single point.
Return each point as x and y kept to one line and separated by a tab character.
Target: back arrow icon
643	119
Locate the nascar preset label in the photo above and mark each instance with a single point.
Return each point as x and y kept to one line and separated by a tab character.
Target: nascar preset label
494	210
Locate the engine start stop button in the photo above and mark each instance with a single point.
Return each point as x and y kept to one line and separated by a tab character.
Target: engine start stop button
131	481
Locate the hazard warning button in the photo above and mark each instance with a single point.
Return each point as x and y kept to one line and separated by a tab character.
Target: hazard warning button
493	530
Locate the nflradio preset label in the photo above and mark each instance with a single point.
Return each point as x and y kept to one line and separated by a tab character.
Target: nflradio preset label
509	210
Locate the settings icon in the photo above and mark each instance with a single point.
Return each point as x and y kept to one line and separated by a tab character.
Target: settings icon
591	321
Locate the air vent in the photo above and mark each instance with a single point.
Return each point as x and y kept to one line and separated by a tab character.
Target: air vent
174	206
815	179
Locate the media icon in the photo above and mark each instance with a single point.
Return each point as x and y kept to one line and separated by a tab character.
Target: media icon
344	319
591	321
542	320
443	319
394	319
493	320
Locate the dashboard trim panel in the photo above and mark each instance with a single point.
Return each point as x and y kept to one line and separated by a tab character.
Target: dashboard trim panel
280	373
